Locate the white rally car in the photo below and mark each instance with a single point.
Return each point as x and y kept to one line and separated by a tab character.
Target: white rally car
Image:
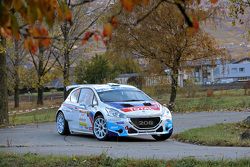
113	110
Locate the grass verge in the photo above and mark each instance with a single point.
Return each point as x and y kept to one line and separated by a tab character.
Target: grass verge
221	100
216	135
33	117
33	160
215	103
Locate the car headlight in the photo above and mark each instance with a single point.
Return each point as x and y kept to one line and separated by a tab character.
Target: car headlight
115	113
166	112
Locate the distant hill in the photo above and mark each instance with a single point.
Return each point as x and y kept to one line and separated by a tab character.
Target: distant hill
233	38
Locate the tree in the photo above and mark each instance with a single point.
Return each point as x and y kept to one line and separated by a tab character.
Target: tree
16	56
165	37
43	63
95	71
76	33
4	119
122	64
31	12
239	11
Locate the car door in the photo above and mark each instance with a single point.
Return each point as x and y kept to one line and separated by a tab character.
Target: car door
86	110
72	105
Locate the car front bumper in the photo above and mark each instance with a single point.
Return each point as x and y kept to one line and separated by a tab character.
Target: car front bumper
125	127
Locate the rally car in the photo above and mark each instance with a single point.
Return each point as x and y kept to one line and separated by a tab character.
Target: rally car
113	110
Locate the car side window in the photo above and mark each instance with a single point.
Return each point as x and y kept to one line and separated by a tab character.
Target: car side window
86	96
74	96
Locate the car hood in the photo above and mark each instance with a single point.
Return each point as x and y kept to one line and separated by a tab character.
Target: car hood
138	109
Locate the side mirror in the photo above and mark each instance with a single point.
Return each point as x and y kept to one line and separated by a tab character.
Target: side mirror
94	103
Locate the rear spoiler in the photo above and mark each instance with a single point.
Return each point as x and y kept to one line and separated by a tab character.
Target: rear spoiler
72	87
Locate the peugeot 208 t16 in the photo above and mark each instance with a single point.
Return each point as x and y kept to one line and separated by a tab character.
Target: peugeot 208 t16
113	110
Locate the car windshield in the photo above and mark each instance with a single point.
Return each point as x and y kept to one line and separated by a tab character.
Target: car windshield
123	96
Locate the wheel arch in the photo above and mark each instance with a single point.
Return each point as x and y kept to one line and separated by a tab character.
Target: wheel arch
62	113
98	113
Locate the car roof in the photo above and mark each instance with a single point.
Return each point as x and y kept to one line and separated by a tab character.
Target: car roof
102	87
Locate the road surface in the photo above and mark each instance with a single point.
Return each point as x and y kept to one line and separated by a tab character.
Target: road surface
44	139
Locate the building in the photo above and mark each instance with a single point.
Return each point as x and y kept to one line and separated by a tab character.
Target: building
232	72
201	71
205	72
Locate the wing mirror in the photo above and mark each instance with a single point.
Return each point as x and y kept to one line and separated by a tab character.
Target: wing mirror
94	103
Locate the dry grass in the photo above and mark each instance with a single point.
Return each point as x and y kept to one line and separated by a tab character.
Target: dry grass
31	160
216	135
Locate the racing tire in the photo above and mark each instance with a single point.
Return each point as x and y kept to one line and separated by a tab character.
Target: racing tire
162	137
62	126
100	129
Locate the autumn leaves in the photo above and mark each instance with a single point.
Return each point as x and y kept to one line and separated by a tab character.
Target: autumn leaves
26	18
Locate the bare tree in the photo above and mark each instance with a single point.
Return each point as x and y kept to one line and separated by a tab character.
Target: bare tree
43	62
70	46
15	58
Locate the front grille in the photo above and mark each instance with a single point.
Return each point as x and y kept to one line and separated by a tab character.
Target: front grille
145	123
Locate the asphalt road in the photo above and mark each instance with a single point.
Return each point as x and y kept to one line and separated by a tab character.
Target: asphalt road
43	139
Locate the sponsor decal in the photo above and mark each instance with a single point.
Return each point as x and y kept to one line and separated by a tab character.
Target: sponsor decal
83	124
142	108
114	127
71	107
83	111
82	120
120	123
90	116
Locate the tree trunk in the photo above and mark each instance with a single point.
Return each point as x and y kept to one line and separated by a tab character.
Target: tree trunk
40	95
40	71
4	118
66	64
16	75
16	95
66	74
174	84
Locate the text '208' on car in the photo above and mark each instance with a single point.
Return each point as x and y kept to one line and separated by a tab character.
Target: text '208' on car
109	110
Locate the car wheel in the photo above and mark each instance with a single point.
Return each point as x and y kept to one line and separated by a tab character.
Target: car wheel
162	137
100	128
61	124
